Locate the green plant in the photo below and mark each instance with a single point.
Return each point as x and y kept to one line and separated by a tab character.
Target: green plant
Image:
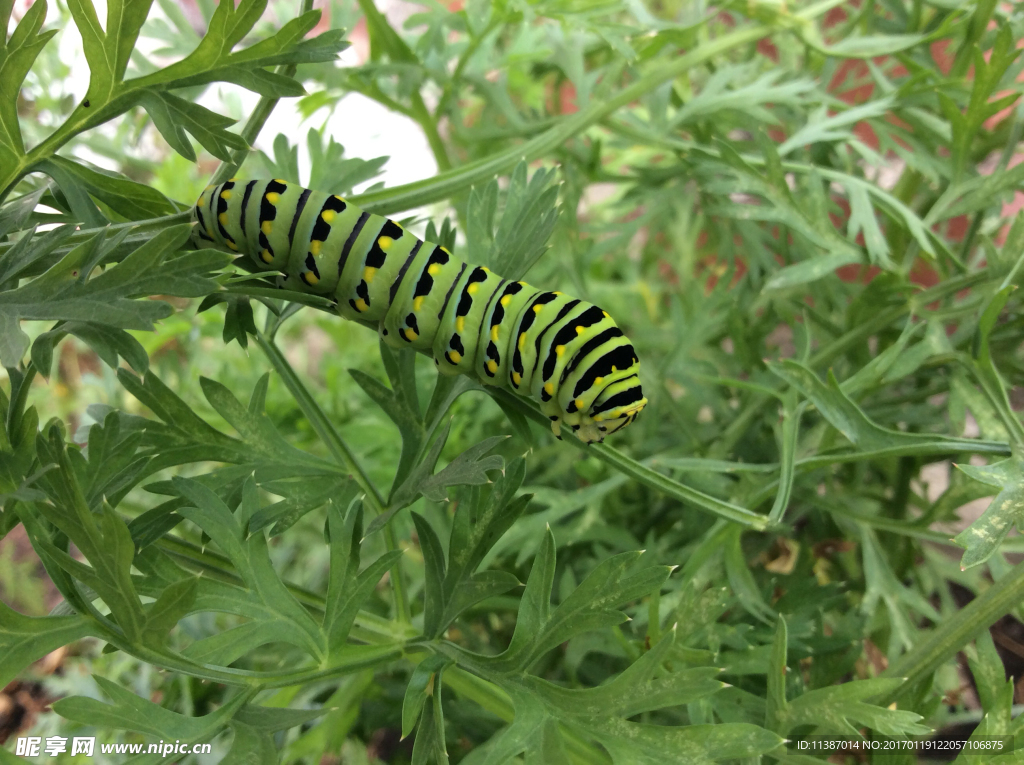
813	336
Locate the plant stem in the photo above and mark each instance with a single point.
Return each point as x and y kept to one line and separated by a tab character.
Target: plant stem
953	634
256	120
447	184
646	475
341	452
370	628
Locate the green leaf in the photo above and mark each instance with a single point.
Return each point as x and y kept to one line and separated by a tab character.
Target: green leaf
591	606
109	343
250	558
626	742
985	370
348	588
331	172
421	686
429	747
842	709
982	538
836	709
250	746
470	468
434	565
255	428
741	87
274	719
133	201
24	639
105	541
881	583
17	55
173	604
130	712
776	704
68	291
29	249
825	127
844	415
301	497
525	225
173	116
475	589
228	646
645	686
400	411
987	669
647	744
18	431
868	46
741	580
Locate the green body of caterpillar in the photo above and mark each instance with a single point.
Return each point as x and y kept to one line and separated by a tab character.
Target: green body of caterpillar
563	352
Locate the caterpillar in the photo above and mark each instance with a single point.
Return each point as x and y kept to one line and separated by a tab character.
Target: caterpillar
563	352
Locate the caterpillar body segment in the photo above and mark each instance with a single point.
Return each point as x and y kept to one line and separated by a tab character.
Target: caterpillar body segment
565	353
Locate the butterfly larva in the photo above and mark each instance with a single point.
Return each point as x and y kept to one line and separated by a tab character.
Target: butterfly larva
563	352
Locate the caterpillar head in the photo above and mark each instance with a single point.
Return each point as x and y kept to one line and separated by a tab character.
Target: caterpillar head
615	407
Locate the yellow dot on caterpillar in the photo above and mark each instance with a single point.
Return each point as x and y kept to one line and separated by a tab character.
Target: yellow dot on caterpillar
368	273
522	341
311	278
494	332
281	181
434	269
517	378
506	300
580	330
232	245
232	180
598	380
580	403
226	194
492	366
559	350
606	314
338	198
314	247
385	242
455	356
267	257
485	268
328	216
446	250
472	288
361	305
538	308
417	303
223	218
556	293
410	335
460	324
273	197
598	418
549	388
615	369
267	226
201	202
